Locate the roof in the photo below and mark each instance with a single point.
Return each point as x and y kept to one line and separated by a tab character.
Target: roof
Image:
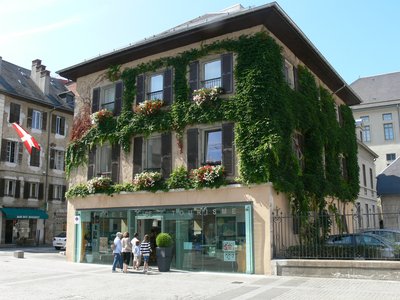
16	81
214	25
378	89
388	182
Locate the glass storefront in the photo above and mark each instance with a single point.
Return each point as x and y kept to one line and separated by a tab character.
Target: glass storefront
206	238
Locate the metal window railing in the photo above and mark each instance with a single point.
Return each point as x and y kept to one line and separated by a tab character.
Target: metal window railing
157	95
210	83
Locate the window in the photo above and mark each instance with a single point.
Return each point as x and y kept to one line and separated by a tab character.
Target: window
213	147
35	157
33	190
153	154
367	214
14	112
57	159
388	130
58	125
104	160
387	117
12	152
371	178
288	73
36	119
57	192
107	100
366	133
212	74
365	119
390	157
156	85
364	176
298	147
9	189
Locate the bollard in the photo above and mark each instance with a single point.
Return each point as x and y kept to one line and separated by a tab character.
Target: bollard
19	254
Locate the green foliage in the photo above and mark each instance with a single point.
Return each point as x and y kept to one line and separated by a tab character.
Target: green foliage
179	179
266	112
164	240
208	176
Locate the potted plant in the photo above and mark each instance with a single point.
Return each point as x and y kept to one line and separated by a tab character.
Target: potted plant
164	251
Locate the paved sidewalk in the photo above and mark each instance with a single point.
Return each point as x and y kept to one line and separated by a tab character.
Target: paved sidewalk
47	275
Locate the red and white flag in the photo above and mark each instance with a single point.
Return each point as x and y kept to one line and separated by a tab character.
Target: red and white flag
29	141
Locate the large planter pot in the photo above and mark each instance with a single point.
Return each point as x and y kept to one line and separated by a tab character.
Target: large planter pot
164	257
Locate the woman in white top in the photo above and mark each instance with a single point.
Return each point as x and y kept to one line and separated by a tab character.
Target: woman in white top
126	251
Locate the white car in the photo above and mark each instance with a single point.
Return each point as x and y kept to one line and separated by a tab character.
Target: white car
60	241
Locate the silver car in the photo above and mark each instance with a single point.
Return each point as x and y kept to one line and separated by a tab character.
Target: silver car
60	241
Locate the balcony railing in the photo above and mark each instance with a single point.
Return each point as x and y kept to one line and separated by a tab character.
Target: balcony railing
157	95
210	83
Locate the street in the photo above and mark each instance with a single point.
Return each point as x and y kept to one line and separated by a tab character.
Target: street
44	274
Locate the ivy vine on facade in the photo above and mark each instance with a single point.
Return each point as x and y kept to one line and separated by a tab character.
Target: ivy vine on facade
268	117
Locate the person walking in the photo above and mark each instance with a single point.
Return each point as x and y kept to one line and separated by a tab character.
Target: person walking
145	250
133	242
136	256
117	248
126	251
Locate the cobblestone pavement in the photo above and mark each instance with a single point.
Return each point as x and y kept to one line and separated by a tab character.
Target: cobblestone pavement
45	274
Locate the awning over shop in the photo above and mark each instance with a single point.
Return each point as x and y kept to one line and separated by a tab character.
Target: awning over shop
24	213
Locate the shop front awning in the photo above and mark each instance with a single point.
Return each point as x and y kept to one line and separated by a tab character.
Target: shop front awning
24	213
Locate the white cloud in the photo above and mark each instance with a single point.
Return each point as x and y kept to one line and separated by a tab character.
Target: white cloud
40	29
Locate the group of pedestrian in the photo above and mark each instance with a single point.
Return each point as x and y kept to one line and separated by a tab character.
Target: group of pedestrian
124	248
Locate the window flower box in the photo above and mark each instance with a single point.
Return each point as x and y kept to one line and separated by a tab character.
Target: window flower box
149	107
101	116
147	181
208	176
203	95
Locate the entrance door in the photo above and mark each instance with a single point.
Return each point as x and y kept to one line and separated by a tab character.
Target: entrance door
151	226
9	232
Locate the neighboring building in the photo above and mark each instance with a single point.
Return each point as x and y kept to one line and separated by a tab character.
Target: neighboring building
32	188
380	112
258	55
389	191
366	205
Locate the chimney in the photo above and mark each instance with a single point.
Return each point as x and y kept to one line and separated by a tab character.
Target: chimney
40	76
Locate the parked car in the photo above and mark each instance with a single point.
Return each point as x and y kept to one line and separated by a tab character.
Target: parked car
60	241
392	235
363	245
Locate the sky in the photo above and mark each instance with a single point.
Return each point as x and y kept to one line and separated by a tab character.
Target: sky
359	38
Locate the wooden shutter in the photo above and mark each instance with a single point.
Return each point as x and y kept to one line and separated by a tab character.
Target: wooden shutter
52	159
115	154
29	119
17	189
228	154
96	100
50	195
62	126
41	190
227	72
20	151
2	184
14	112
44	120
35	157
26	189
166	154
140	91
193	77
167	84
91	162
118	98
53	123
64	190
3	155
192	148
295	78
137	155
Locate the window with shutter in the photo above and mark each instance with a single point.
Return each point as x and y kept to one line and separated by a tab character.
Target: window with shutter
91	163
155	87
118	98
193	77
192	148
35	157
103	160
36	119
228	153
137	155
115	156
167	87
166	154
152	154
140	91
227	72
58	125
95	100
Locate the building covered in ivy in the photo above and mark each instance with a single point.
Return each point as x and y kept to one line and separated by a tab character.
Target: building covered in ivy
202	131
